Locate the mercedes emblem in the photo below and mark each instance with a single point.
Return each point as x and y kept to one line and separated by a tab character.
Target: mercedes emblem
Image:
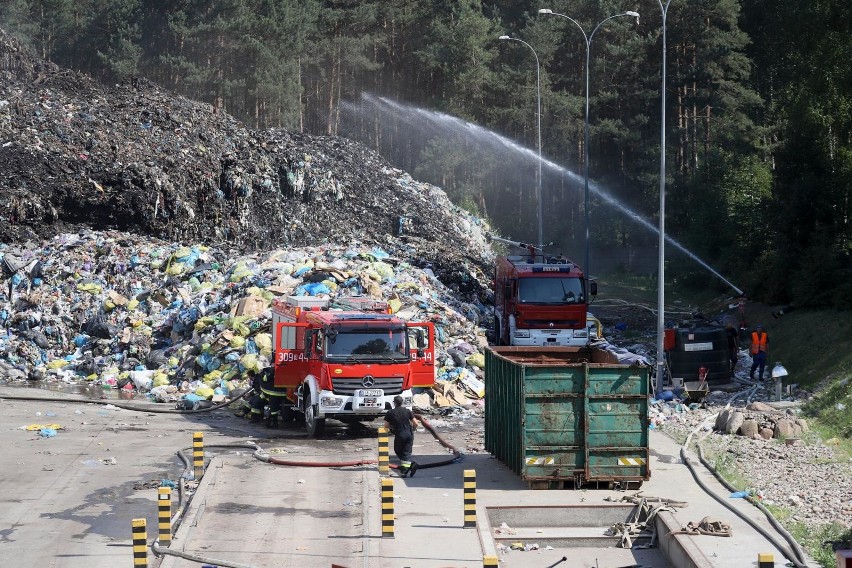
368	381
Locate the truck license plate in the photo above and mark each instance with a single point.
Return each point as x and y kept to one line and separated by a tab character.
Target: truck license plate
368	402
371	393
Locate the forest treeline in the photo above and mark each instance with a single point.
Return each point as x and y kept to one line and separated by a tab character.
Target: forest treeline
758	110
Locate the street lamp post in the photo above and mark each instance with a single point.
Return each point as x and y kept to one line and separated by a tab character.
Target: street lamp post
661	330
538	116
588	38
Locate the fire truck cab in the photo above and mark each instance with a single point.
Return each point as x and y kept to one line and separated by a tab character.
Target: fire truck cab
541	301
348	359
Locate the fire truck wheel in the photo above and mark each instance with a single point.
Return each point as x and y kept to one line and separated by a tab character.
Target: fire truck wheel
314	425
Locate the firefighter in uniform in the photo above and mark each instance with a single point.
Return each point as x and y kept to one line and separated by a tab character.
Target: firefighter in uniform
275	397
254	406
759	346
402	423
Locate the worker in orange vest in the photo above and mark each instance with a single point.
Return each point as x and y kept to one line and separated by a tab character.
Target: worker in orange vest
759	346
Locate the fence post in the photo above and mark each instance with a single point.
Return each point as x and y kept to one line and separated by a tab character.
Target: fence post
164	499
470	498
387	508
198	454
140	543
384	452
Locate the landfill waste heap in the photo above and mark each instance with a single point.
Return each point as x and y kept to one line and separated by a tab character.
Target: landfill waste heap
143	237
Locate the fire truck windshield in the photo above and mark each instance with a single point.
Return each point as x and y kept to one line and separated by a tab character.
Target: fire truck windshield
368	344
550	290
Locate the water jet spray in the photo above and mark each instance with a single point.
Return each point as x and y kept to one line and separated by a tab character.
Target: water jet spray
418	117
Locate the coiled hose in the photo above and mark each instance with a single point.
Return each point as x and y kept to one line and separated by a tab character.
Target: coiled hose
797	558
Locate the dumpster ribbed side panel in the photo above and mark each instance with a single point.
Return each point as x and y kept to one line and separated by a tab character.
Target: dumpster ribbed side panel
617	436
504	422
550	415
553	432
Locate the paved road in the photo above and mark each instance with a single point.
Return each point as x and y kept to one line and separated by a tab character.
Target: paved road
69	500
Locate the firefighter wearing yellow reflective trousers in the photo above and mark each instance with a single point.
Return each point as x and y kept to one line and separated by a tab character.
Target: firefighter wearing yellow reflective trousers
402	423
759	347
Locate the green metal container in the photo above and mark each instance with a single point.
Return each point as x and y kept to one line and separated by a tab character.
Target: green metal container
560	416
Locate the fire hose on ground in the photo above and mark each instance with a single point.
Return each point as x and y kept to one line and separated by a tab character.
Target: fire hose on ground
797	556
259	454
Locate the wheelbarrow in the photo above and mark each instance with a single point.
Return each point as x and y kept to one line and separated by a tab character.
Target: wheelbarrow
695	391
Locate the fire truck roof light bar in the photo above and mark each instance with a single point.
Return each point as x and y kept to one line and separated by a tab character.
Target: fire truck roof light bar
374	317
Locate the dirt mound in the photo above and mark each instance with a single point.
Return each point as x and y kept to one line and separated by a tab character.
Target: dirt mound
132	157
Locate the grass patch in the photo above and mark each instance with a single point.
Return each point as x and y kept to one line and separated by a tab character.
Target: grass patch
726	465
811	539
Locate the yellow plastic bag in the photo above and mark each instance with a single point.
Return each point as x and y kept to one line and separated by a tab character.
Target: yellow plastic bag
57	364
204	392
249	362
476	360
395	305
264	343
90	287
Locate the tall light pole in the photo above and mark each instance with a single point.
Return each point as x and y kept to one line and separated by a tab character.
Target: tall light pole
661	283
588	38
538	116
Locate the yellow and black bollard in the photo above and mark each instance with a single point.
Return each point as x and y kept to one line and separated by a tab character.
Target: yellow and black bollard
198	454
489	561
387	508
470	498
384	452
140	543
164	499
765	560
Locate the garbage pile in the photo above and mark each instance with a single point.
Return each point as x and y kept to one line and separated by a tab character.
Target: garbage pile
135	158
171	320
88	173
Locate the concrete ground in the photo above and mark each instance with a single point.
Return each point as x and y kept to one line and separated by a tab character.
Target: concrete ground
70	499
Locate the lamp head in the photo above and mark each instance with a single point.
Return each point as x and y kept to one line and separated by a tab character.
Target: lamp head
779	371
545	11
634	14
504	37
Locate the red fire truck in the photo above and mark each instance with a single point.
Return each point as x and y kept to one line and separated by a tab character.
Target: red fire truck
348	359
540	301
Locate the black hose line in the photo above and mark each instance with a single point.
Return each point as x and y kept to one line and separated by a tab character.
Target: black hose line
799	561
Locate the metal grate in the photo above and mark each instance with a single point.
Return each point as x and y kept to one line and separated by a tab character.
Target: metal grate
348	386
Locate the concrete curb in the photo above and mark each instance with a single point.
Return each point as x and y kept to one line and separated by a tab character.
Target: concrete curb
197	505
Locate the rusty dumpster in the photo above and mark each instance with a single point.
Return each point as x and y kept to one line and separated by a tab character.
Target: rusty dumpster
567	416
